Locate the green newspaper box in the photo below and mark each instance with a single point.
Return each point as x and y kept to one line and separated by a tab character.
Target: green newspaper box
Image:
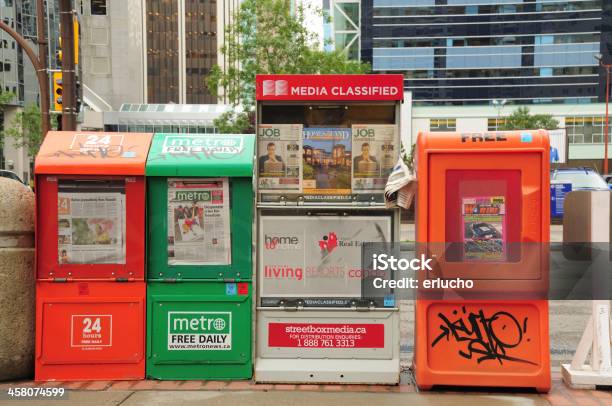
199	256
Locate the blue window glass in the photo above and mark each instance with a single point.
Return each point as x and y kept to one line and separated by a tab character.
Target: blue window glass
403	3
483	57
546	71
544	39
564	54
403	58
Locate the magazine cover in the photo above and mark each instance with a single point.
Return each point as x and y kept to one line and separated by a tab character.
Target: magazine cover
198	222
327	161
279	161
484	228
374	155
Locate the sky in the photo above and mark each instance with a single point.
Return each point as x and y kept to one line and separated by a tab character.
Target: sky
314	22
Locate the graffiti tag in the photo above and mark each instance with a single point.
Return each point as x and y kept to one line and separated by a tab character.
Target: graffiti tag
102	152
487	338
197	155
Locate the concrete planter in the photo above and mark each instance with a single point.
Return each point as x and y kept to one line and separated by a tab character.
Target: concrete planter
17	281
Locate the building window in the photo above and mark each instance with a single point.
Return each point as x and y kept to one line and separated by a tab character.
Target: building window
346	22
585	130
546	72
98	7
496	124
162	26
471	10
200	49
442	124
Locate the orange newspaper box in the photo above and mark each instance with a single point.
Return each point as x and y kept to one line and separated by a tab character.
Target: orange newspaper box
483	215
90	256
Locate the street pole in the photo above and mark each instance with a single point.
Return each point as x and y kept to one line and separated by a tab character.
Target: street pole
42	57
68	73
605	162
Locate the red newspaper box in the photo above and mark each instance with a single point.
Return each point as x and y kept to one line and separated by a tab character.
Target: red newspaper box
90	256
483	214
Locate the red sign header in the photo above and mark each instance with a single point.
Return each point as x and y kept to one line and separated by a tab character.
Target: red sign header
330	87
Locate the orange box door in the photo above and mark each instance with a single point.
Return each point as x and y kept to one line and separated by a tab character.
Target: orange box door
90	330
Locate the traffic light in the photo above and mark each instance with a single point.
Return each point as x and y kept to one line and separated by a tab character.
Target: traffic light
75	24
58	89
76	29
79	95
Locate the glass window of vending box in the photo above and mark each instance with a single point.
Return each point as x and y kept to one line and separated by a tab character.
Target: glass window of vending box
332	152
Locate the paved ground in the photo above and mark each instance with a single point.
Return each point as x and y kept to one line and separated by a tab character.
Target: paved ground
131	393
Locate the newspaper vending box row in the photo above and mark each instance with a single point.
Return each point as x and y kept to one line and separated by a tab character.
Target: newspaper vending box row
94	291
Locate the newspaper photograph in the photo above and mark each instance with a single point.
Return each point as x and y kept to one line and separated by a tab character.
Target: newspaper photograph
279	157
374	155
198	222
327	161
91	228
484	228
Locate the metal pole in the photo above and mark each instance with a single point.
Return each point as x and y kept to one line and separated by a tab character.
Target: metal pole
42	57
68	74
605	162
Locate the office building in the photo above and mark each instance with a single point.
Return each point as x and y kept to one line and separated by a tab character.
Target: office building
469	63
342	26
461	52
151	51
17	76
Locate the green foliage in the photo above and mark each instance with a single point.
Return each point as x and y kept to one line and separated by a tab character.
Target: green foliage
232	122
25	130
266	37
5	98
521	119
408	158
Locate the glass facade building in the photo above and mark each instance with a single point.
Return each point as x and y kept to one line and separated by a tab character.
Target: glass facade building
461	52
15	73
162	25
181	38
342	26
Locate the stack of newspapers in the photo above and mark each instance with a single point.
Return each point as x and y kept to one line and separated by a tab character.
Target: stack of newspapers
401	186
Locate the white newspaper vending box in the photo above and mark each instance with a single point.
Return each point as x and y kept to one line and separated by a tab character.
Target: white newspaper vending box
326	145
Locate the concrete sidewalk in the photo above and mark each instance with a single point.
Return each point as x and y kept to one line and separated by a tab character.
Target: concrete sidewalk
294	398
223	393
